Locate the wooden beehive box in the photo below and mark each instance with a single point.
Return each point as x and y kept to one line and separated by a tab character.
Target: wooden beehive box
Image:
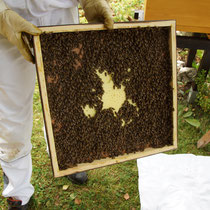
107	96
190	15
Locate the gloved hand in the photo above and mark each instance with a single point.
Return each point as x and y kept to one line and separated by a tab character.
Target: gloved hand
11	27
98	11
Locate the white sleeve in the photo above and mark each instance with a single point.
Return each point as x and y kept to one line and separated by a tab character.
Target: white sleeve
38	8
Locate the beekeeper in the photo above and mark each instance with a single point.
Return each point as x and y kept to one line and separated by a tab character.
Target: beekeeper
17	82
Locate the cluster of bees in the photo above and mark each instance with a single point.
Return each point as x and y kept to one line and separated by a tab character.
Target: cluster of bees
138	59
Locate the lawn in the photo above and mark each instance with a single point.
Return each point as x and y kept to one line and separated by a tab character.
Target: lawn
107	187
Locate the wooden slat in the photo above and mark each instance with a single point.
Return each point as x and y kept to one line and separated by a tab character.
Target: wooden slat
190	15
45	105
110	161
48	123
193	29
172	45
96	27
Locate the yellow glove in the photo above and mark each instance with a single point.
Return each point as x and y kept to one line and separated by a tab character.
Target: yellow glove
12	25
98	11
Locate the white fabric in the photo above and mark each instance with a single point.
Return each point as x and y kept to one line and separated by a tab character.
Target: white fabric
46	12
174	182
18	173
17	81
39	8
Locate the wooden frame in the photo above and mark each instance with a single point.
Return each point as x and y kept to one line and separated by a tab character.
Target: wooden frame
43	90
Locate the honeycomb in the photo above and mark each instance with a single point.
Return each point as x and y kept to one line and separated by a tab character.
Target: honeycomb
109	92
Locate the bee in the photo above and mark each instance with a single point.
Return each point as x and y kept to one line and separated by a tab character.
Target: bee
115	55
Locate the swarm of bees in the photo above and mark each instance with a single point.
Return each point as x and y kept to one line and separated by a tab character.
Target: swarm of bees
139	59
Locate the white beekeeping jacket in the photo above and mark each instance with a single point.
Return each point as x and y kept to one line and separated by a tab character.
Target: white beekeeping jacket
46	12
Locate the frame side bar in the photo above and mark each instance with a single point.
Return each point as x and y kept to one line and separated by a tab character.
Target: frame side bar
174	78
45	104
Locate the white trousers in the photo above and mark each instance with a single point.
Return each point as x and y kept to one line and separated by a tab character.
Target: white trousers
18	176
17	82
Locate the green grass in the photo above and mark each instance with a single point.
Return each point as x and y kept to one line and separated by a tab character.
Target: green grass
189	135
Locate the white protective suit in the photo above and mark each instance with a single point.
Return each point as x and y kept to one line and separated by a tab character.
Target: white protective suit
17	81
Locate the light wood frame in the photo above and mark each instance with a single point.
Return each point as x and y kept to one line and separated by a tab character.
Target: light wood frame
45	105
